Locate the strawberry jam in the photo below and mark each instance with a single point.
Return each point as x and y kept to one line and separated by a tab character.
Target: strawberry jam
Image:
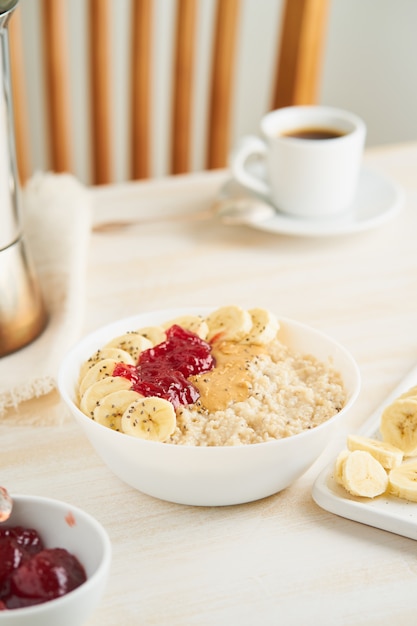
163	370
32	574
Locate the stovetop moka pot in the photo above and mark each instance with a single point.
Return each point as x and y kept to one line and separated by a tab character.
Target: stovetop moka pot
22	312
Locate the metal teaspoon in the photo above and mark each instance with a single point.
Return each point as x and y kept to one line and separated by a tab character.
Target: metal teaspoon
230	210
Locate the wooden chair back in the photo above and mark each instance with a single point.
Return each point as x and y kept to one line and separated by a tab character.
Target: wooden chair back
295	80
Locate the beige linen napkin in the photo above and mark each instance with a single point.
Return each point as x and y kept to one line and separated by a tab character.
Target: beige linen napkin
57	226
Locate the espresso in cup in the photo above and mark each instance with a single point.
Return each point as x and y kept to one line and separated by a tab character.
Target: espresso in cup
312	157
314	133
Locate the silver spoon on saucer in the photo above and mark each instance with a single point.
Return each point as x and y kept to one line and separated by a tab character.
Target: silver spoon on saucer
6	505
231	209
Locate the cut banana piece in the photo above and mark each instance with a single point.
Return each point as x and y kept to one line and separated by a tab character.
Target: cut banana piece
402	481
399	425
388	455
339	464
100	370
230	323
106	353
155	334
95	393
410	393
193	323
132	342
149	418
111	408
363	476
264	327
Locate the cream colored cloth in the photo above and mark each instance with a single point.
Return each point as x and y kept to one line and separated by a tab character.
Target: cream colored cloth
57	223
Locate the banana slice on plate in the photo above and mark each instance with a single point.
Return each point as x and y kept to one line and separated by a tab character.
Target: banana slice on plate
95	393
110	409
193	323
399	425
106	353
338	466
264	327
133	342
229	323
410	393
388	455
362	475
402	481
154	334
149	418
100	370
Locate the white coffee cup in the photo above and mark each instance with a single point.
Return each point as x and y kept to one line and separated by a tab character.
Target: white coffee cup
305	177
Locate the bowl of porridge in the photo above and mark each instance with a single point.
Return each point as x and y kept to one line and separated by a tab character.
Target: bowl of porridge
209	407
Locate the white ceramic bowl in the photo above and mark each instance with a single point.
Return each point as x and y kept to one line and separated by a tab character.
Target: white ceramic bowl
209	476
85	538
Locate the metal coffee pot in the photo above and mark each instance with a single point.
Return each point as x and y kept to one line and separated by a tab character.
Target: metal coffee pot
22	311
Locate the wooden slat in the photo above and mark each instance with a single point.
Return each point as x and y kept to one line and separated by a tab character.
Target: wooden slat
100	97
183	86
141	88
20	112
222	82
300	52
57	84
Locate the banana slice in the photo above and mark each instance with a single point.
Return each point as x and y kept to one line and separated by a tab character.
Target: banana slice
339	464
155	334
264	327
399	425
230	323
110	409
99	370
364	476
410	393
194	323
402	481
95	393
106	353
149	418
132	342
388	455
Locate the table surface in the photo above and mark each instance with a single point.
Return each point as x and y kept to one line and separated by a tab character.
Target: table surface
283	559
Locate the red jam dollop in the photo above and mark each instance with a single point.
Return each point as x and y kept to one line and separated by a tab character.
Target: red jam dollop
163	370
32	574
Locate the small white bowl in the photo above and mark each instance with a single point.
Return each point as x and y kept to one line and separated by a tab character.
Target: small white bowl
62	525
209	476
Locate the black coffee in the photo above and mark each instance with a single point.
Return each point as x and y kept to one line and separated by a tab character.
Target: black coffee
314	133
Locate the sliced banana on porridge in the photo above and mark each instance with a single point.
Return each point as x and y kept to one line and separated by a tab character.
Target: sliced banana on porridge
195	323
106	353
95	393
110	409
154	334
100	370
229	323
264	329
133	342
149	418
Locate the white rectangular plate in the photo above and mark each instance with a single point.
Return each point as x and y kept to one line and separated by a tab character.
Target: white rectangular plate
385	512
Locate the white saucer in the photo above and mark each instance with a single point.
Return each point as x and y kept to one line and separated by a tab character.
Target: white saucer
378	199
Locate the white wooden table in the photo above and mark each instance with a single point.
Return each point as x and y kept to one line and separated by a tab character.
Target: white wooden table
282	560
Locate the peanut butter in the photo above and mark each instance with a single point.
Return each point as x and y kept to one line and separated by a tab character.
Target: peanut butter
229	379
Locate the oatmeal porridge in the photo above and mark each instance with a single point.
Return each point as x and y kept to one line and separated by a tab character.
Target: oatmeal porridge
224	380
